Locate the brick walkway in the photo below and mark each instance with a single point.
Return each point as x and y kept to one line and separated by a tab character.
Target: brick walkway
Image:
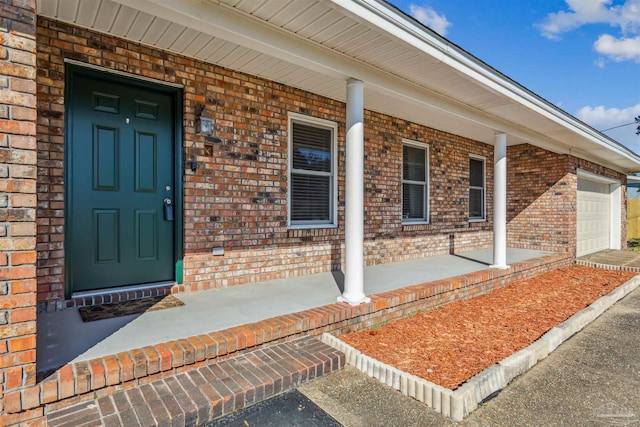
200	395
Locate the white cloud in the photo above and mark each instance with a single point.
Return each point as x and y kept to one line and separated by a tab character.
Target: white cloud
582	12
622	49
429	17
603	118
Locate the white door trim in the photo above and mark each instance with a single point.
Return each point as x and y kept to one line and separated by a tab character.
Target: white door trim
589	176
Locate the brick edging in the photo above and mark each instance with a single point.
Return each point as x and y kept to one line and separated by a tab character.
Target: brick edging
608	266
108	374
457	404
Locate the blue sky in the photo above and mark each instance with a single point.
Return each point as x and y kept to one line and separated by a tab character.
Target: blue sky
582	55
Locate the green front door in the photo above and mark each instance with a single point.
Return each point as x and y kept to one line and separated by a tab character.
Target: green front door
120	166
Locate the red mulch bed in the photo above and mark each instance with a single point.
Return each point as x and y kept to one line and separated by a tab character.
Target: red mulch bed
451	344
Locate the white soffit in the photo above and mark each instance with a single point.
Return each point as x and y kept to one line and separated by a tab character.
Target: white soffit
316	44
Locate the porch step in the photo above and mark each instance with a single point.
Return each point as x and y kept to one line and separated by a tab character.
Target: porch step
199	395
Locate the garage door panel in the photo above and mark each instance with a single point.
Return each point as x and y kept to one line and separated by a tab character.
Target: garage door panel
593	187
594	217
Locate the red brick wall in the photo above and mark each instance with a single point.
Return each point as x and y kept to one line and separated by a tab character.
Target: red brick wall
542	198
387	239
237	197
17	199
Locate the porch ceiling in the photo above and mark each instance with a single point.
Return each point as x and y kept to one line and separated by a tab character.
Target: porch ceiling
409	72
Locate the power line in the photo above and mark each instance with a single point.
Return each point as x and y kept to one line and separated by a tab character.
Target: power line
619	126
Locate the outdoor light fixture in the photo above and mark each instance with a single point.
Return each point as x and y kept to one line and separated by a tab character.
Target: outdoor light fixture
204	122
204	125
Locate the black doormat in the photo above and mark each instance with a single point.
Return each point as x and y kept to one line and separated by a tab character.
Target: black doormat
139	306
285	410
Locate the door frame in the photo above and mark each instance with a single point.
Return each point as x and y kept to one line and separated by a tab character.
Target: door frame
75	68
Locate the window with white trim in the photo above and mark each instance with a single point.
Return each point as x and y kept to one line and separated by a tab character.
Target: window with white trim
312	166
415	182
477	189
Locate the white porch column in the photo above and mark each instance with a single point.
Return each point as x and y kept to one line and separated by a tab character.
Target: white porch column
354	197
500	201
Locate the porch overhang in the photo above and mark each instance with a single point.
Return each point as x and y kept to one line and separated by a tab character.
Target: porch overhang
408	71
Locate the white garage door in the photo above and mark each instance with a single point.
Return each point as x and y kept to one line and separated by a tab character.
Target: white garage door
594	216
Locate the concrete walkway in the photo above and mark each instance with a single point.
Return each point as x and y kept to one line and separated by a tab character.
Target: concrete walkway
627	260
64	338
590	380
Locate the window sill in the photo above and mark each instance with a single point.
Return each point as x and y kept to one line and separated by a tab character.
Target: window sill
478	220
404	223
311	226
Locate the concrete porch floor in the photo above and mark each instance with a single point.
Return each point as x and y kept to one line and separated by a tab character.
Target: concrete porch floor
63	337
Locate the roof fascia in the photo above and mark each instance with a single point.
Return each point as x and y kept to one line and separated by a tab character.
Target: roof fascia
223	21
397	23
